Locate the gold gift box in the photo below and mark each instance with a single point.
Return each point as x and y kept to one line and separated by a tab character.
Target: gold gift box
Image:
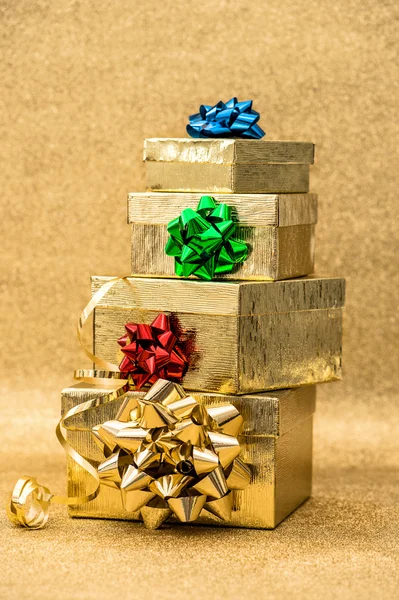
227	165
276	441
279	230
240	337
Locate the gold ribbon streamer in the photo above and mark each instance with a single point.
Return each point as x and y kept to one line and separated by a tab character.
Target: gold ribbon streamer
85	314
29	501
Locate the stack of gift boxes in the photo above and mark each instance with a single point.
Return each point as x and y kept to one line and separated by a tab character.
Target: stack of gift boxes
259	337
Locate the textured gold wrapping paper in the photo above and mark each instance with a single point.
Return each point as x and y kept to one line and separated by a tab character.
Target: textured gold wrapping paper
242	337
276	441
239	179
238	166
279	229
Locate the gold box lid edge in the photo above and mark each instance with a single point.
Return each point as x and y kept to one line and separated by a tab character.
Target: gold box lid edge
237	298
228	151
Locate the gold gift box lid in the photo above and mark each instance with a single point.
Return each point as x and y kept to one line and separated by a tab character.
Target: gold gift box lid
228	151
250	210
235	298
266	414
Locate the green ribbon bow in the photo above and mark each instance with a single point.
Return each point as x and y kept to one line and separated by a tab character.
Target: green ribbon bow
202	241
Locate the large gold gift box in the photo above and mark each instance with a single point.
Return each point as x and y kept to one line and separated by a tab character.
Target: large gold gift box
240	337
276	442
227	165
279	229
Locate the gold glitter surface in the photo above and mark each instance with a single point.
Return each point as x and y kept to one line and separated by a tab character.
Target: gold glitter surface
82	84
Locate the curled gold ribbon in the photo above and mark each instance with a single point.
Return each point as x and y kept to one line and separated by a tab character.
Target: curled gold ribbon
85	314
29	502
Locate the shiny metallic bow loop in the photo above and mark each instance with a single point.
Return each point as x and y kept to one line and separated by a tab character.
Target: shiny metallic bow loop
151	352
231	119
202	241
168	455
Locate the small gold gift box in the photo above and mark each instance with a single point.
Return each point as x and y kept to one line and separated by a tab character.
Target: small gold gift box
227	165
279	229
276	442
239	337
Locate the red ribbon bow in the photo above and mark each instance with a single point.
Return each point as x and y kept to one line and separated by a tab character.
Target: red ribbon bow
151	352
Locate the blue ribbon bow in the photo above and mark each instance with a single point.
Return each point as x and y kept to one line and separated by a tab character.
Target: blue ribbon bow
233	119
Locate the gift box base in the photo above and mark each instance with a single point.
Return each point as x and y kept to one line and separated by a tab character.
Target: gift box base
279	230
233	179
276	442
227	165
241	337
276	253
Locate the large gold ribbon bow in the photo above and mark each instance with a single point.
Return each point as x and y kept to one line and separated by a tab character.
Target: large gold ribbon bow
168	455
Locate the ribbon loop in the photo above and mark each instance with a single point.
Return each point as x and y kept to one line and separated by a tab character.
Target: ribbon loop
29	503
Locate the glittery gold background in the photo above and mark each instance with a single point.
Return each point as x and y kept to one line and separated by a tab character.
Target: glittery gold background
82	83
